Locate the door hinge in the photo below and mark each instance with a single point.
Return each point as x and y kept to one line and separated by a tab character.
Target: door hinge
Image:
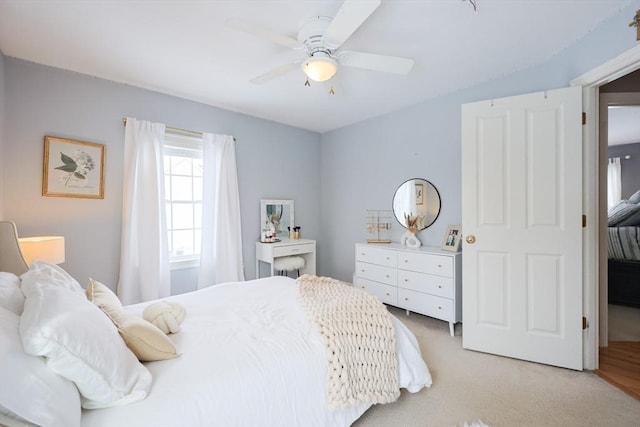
584	118
584	221
585	324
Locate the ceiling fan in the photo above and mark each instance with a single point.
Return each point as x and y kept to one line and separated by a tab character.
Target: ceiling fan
320	40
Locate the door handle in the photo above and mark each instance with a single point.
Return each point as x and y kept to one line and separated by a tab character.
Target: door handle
471	239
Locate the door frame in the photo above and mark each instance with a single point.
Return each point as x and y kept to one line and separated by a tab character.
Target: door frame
593	265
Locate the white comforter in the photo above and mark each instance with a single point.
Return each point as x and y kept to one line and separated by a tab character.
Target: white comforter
251	358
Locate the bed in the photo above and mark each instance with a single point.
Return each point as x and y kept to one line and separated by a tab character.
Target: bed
248	356
623	251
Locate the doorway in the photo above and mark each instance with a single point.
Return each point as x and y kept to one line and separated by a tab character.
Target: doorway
619	353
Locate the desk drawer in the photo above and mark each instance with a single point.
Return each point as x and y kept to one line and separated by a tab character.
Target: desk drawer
426	263
287	250
387	294
378	256
429	305
426	283
377	273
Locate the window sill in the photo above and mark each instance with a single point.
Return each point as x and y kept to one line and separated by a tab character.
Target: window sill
185	263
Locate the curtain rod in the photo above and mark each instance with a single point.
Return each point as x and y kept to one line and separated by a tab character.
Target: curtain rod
177	130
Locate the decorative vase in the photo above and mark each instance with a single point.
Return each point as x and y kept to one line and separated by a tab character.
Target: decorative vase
410	239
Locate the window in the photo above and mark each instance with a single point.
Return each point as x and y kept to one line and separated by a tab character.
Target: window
183	192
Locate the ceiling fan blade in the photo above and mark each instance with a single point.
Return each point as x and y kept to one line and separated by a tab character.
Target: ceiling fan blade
348	19
276	72
263	33
370	61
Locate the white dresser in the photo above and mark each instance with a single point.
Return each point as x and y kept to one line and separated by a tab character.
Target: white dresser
424	280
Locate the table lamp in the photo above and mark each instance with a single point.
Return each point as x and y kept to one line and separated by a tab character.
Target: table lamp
42	248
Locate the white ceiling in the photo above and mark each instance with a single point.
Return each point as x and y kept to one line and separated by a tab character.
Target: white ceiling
185	49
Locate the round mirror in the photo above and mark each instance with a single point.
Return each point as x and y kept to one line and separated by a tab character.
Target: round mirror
416	204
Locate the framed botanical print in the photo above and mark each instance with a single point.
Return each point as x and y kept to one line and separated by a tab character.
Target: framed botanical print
73	168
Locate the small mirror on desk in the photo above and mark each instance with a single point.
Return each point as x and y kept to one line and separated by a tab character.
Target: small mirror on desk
277	216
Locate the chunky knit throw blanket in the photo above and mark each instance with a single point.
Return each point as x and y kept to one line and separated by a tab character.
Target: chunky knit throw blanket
359	336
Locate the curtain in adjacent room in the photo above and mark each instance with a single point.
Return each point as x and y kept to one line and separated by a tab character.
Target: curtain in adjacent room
614	182
144	259
221	253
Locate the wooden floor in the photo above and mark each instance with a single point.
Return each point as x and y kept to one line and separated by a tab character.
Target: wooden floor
620	365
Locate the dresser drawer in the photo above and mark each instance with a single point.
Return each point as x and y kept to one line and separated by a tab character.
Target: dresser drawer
426	263
426	283
376	256
429	305
287	250
377	273
387	294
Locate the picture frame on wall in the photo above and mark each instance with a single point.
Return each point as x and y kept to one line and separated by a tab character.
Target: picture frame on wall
73	168
452	238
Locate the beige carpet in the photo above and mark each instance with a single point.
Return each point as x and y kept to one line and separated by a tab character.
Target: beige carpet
470	386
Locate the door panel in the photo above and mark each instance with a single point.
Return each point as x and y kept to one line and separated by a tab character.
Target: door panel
522	201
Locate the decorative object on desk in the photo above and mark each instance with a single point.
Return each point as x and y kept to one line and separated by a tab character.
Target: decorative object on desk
296	232
378	221
452	238
43	248
278	214
73	168
409	237
419	200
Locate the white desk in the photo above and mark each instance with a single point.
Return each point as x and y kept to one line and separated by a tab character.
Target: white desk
266	252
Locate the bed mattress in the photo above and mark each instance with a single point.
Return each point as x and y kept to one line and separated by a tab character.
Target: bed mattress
249	357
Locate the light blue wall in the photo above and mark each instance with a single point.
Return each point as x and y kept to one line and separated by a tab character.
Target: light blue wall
363	164
43	101
1	135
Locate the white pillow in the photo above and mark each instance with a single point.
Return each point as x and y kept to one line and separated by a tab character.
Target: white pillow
29	388
55	275
11	296
79	341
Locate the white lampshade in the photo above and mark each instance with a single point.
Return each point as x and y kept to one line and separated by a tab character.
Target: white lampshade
320	67
42	248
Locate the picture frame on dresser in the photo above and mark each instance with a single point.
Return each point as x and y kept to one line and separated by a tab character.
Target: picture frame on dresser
452	238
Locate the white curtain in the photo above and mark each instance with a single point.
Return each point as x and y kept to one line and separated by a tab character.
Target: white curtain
221	253
144	256
614	182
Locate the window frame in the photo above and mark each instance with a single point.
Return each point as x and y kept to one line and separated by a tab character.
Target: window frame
186	146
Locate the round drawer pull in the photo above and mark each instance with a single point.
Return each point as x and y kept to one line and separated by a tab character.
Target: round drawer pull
406	280
439	308
387	276
406	299
439	265
388	294
439	286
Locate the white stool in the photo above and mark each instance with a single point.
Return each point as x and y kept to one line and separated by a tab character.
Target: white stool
288	263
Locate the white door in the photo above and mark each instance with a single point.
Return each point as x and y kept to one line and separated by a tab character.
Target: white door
522	203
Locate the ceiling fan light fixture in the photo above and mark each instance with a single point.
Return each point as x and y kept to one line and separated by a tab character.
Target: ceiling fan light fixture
320	67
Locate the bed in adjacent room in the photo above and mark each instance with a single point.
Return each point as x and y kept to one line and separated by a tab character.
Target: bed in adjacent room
623	240
246	354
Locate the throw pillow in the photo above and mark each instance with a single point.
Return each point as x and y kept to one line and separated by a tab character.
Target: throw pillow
145	340
165	315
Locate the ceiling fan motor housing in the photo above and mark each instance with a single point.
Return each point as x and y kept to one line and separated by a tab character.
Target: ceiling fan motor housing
312	34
